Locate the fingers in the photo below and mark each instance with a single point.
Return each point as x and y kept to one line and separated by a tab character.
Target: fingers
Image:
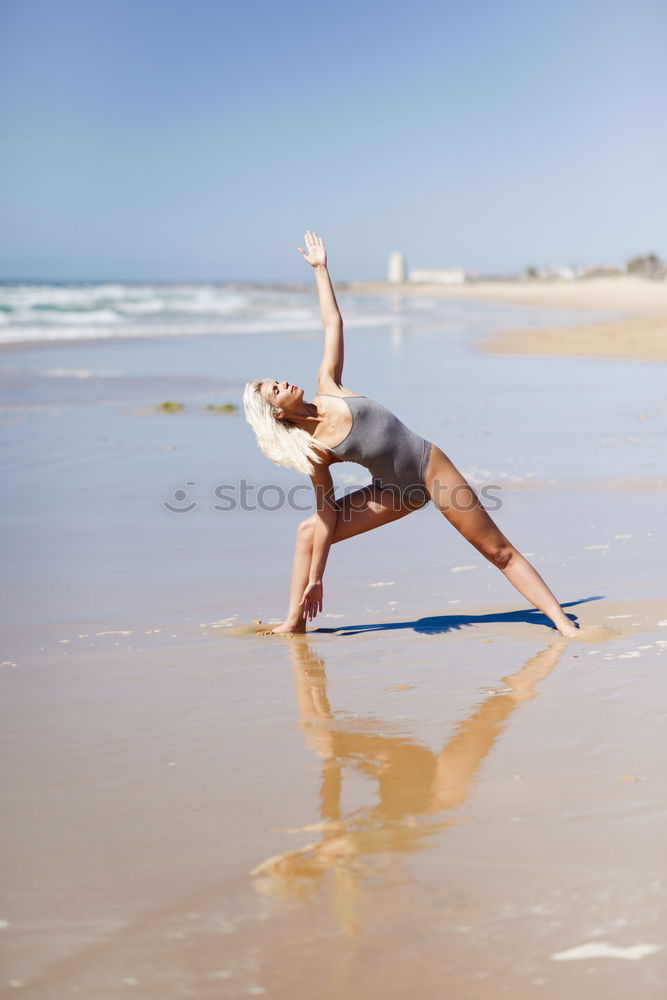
311	606
310	611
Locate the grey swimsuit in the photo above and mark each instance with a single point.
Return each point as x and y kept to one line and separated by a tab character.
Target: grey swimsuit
395	456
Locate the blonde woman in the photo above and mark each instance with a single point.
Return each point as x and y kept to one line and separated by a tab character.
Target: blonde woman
339	425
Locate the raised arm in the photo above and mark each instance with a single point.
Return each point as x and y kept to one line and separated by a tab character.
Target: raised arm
315	254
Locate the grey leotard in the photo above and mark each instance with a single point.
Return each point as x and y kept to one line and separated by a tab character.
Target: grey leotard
395	456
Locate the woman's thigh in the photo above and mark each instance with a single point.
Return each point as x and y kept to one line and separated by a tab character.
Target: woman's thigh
365	509
454	497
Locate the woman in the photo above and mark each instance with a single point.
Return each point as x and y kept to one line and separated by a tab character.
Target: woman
408	471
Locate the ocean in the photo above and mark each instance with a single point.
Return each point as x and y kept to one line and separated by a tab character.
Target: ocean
57	311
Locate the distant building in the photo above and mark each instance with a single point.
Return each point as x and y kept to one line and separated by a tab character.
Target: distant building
438	276
396	269
555	273
649	266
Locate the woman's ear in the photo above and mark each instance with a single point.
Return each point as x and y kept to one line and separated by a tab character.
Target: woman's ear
278	414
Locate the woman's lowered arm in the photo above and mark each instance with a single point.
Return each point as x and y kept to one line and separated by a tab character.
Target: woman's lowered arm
325	524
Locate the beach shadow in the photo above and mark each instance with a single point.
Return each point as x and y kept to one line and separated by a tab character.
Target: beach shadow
440	624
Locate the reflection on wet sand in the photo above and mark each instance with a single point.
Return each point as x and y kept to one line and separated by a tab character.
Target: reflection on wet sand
417	790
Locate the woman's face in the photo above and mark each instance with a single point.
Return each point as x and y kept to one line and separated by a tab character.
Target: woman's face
281	394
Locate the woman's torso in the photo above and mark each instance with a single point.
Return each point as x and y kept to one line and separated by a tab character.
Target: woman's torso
375	438
338	419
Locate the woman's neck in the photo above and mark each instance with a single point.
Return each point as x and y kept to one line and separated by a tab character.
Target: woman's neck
308	417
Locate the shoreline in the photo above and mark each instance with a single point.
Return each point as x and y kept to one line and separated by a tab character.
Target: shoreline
628	317
639	333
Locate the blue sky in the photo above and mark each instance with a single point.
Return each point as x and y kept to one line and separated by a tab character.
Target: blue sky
162	139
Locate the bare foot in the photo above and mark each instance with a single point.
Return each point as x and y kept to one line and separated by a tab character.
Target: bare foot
570	632
286	629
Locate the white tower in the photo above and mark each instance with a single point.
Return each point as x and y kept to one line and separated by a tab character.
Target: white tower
396	270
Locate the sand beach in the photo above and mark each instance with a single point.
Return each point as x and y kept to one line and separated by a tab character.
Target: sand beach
631	323
431	793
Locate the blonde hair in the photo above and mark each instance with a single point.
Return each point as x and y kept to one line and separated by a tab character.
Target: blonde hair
282	442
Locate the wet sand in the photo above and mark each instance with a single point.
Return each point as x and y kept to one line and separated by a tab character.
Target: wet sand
455	808
431	794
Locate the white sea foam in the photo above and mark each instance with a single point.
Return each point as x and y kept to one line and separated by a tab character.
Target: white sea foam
602	949
65	317
79	373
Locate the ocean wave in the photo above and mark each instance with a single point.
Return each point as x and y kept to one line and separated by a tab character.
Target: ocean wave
30	303
52	312
67	317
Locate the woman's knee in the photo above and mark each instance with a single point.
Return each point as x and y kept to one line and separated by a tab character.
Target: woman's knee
500	555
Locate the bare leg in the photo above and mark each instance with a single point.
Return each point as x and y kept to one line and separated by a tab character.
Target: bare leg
294	621
359	511
456	499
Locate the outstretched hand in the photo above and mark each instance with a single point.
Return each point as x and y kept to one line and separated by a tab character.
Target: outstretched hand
315	253
311	602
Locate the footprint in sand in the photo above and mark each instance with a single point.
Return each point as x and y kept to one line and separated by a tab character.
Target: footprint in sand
598	633
258	627
255	627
